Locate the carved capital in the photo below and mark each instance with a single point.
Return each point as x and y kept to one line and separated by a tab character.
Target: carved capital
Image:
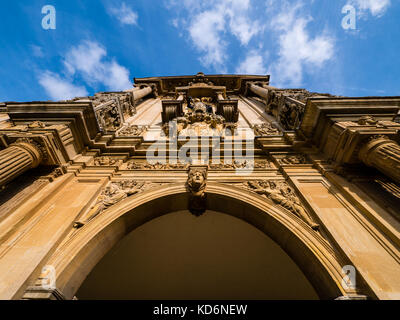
33	148
381	152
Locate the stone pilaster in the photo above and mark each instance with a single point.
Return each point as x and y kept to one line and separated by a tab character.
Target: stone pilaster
18	158
383	154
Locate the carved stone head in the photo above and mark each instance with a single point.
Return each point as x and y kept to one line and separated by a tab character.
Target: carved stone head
197	181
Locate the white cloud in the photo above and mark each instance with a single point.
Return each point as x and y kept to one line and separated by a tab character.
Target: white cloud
252	64
298	50
89	60
294	48
124	14
204	33
376	7
37	51
58	88
209	22
240	23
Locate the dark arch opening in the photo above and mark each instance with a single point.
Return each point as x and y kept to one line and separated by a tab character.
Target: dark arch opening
179	256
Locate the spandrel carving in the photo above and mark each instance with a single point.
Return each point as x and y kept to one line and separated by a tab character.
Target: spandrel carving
112	194
282	194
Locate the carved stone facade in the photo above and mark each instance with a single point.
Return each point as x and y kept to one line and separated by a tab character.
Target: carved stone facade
282	194
318	174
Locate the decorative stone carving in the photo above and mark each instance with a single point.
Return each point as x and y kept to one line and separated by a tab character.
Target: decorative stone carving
36	125
273	101
200	79
171	109
109	117
229	110
104	161
287	105
293	159
113	193
367	120
133	165
381	152
263	164
198	122
291	114
132	131
265	129
196	185
282	194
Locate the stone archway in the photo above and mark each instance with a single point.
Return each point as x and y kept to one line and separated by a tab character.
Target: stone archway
179	256
77	256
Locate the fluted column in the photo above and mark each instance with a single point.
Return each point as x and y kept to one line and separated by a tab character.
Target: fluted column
141	93
383	154
260	91
18	158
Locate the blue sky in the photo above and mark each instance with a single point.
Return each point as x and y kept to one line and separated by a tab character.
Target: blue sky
101	45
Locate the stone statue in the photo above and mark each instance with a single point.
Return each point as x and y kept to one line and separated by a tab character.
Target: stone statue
113	193
282	194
